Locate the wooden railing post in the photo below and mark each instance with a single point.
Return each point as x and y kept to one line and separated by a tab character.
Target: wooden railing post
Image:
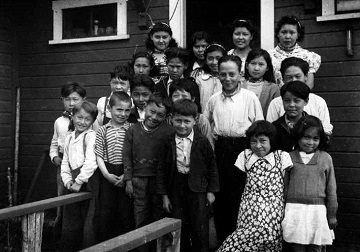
32	227
175	245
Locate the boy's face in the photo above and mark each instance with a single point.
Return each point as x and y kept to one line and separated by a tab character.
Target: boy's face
82	121
293	105
120	112
294	73
154	115
182	124
176	68
117	84
71	100
229	75
140	96
181	94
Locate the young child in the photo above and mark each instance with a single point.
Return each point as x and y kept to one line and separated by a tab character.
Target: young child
141	87
231	112
184	89
262	203
78	174
189	178
71	94
158	42
198	43
142	63
208	80
119	81
295	96
116	213
292	69
259	76
311	201
142	155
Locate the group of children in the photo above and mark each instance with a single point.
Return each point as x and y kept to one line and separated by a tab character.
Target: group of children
171	145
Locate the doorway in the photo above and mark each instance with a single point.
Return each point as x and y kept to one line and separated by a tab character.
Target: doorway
215	17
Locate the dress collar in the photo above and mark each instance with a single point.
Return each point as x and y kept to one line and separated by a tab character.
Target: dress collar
269	158
189	137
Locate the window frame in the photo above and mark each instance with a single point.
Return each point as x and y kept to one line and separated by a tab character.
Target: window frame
328	8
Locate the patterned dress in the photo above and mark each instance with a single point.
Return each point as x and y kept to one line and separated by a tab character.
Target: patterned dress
262	204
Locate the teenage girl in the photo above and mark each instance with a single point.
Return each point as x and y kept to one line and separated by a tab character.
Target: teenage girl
198	43
208	80
158	41
142	63
259	76
243	32
262	203
311	201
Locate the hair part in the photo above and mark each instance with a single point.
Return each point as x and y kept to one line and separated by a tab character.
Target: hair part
142	81
185	107
291	20
262	127
296	62
72	87
178	52
119	96
297	88
88	107
305	123
257	53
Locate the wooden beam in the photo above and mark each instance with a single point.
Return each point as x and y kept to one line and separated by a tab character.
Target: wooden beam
139	236
32	227
42	205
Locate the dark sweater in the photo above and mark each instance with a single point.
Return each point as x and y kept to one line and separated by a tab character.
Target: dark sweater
143	150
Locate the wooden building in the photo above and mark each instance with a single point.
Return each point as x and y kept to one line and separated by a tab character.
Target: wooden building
33	58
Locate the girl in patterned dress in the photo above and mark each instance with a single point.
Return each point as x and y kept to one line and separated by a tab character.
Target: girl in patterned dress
262	204
311	201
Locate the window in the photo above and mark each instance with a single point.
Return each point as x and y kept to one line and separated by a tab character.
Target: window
89	20
339	9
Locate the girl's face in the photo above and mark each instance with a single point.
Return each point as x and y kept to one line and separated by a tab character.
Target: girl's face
199	49
71	100
257	67
117	84
229	75
142	66
141	96
288	35
82	121
212	59
293	105
242	37
310	141
260	145
176	68
161	40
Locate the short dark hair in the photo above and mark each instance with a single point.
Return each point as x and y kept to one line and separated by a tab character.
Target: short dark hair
185	107
145	55
297	88
292	20
262	127
248	24
156	28
119	96
177	52
304	124
72	87
294	61
199	35
256	53
142	81
182	84
121	72
89	107
160	100
232	58
212	48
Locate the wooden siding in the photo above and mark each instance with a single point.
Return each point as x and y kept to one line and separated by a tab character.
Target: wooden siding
337	81
6	98
44	68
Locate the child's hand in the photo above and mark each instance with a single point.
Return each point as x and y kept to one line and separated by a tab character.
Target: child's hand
112	178
120	182
69	184
75	187
129	190
332	223
57	161
167	204
210	197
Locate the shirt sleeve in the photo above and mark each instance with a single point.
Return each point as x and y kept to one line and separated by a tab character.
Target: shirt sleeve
255	112
286	161
100	142
331	197
240	161
90	165
54	148
65	167
208	110
314	62
324	115
100	106
205	129
273	112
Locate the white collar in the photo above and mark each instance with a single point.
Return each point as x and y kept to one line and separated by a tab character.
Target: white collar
189	137
253	158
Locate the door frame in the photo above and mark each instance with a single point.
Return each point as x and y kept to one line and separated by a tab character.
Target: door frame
177	16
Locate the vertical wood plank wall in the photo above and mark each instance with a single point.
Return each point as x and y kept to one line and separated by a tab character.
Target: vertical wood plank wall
338	82
44	68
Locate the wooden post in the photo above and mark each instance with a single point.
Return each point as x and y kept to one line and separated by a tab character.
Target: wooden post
32	227
175	245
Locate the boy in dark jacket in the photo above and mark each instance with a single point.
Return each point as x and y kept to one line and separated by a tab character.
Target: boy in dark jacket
189	178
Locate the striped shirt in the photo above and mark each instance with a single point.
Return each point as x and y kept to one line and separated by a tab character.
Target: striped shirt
110	141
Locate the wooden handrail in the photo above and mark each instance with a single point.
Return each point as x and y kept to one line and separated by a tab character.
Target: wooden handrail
141	236
39	206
